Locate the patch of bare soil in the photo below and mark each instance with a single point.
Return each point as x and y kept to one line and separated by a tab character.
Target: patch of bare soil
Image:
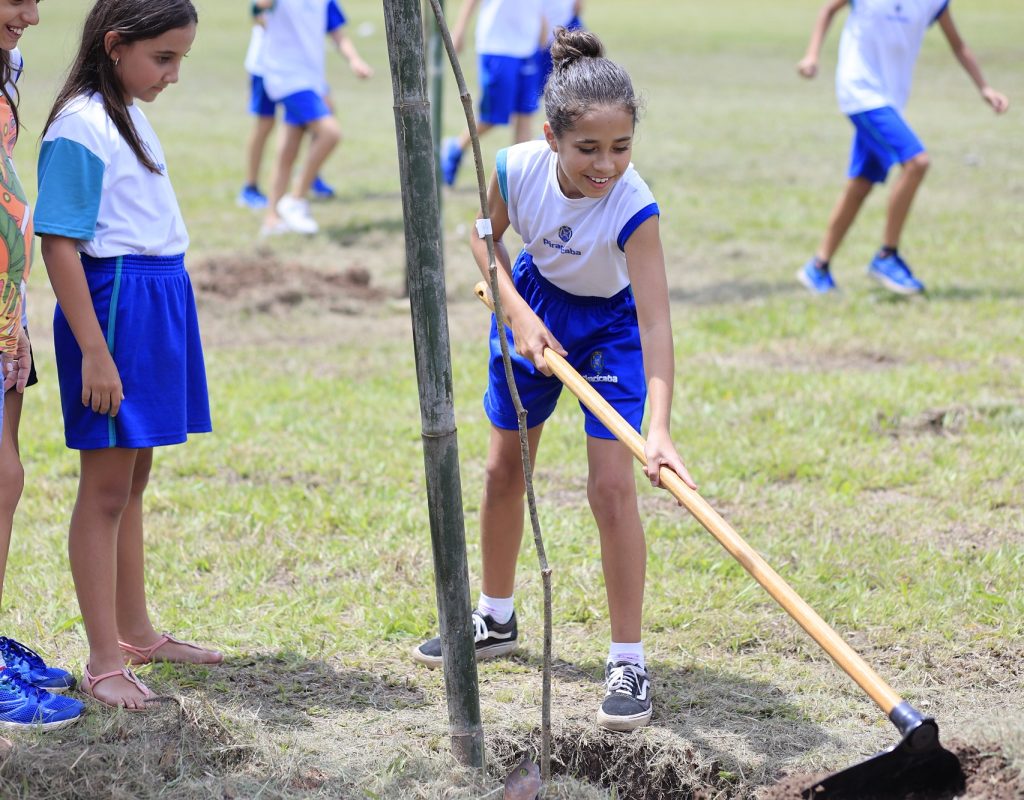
260	282
987	773
798	358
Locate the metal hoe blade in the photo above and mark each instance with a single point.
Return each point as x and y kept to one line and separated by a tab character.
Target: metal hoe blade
917	766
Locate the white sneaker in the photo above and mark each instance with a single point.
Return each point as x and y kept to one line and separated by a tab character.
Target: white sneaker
295	213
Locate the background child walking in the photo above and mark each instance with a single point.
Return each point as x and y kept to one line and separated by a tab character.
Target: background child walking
292	63
126	337
877	52
264	110
27	683
509	34
590	284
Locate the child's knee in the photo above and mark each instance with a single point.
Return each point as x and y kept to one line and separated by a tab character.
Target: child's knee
918	163
611	493
504	478
12	482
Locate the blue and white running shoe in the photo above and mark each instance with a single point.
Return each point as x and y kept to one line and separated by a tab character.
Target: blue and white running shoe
24	706
893	273
816	279
451	157
251	197
29	666
322	190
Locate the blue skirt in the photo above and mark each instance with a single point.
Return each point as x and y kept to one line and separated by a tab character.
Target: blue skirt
147	311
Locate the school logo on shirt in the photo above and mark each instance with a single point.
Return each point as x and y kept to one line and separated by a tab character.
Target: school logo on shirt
897	15
565	233
597	370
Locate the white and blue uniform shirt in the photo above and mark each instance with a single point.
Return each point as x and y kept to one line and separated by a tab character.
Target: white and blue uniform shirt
93	188
578	244
335	19
293	56
559	14
509	27
878	49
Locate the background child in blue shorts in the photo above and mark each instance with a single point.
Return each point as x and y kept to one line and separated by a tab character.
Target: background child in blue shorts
292	62
508	35
877	52
264	110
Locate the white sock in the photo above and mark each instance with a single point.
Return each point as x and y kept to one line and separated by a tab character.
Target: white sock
497	608
633	652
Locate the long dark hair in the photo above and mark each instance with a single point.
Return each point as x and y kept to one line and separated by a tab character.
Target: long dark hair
7	78
581	79
93	70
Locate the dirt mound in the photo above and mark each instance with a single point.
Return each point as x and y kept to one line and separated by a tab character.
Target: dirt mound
639	768
261	282
987	772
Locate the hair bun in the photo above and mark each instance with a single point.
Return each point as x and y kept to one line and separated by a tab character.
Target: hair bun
570	46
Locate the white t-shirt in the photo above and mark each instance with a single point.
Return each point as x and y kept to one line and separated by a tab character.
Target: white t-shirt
509	27
878	49
294	55
559	13
92	186
252	55
576	243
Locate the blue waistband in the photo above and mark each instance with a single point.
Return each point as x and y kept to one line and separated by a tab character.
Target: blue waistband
154	265
525	261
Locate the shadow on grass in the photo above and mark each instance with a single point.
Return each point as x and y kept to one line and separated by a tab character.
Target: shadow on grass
218	728
351	233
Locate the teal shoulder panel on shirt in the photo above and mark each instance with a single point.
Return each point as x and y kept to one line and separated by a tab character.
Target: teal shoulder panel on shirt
70	186
501	165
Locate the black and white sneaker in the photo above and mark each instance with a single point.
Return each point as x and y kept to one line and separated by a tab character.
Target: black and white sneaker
492	639
627	700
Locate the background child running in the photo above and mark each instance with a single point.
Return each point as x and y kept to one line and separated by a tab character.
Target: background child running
264	110
877	52
126	337
590	284
292	63
508	36
27	684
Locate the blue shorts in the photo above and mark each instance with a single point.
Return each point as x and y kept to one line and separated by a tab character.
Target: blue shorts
304	107
602	338
147	311
260	103
882	139
509	85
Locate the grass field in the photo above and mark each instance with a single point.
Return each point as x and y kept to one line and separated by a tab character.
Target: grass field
869	447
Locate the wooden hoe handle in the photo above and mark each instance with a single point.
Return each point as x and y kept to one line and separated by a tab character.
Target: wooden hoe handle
794	605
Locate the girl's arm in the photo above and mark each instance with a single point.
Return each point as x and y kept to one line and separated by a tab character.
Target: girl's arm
645	260
997	100
348	49
101	383
461	23
808	65
530	334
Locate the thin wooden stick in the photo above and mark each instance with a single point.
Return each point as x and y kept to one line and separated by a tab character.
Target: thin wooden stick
499	314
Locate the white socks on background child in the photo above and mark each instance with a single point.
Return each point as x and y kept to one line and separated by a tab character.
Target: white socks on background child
633	652
497	608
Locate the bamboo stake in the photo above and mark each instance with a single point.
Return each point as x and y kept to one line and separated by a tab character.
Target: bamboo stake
492	269
404	25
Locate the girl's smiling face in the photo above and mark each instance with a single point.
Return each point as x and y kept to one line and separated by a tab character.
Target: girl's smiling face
148	66
15	16
595	152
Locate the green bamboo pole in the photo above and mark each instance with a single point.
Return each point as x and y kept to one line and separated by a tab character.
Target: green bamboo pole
436	73
404	25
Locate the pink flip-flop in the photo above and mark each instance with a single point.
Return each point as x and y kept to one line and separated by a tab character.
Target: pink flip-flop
144	655
89	683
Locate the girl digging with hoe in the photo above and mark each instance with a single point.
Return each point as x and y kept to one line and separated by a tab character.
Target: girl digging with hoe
590	284
126	336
